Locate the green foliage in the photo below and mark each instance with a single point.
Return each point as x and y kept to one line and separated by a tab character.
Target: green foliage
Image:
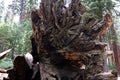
112	66
16	36
99	7
1	6
4	36
27	4
5	63
13	35
21	35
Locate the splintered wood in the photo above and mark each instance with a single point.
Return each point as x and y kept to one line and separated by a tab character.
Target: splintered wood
64	41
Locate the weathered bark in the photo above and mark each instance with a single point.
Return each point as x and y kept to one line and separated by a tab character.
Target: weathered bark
22	70
3	71
115	49
63	44
22	12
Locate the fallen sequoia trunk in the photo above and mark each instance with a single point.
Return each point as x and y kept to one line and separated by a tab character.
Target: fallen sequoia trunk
64	44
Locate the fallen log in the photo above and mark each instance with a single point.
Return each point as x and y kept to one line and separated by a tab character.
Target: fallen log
63	44
3	54
23	69
3	71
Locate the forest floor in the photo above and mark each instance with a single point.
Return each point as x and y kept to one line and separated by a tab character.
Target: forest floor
4	75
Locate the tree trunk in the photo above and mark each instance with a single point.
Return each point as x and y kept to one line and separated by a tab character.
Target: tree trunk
115	49
64	44
22	7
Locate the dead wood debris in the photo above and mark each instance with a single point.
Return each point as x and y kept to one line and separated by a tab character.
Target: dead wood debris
63	44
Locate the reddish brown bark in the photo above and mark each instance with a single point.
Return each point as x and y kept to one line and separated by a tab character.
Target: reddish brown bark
115	49
63	45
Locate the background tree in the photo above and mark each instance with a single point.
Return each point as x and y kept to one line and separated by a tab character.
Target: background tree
15	33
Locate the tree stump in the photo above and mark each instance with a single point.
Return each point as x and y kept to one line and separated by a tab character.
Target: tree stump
64	42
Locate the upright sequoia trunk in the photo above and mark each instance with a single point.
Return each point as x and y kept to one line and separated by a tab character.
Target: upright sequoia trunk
64	44
115	49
